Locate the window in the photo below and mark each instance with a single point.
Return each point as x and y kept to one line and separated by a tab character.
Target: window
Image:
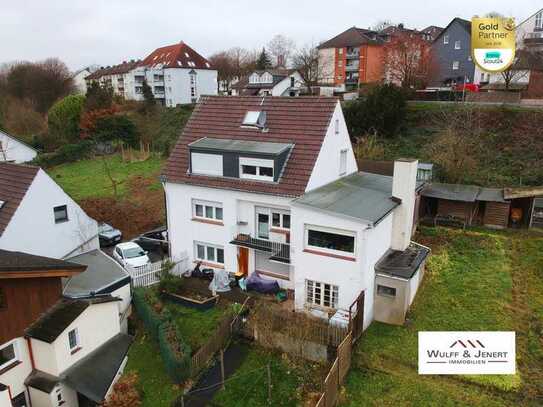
257	169
386	291
207	210
330	240
206	164
209	252
61	213
321	294
280	220
292	81
340	63
539	20
343	162
445	39
139	90
456	65
73	339
8	354
3	300
340	51
457	45
336	126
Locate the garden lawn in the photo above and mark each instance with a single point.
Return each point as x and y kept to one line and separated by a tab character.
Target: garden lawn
154	384
248	386
89	179
475	280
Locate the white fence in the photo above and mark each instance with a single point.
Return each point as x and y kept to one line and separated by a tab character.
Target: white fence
149	274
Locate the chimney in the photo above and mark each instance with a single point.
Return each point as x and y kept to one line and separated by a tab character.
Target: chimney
404	183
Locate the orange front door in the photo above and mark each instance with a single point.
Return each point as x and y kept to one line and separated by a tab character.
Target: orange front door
243	261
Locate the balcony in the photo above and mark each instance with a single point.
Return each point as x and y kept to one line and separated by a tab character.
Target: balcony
280	252
351	81
352	68
535	38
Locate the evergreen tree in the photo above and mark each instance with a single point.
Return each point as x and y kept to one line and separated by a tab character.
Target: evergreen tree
148	97
263	62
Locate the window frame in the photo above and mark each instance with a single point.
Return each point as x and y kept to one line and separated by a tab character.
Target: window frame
382	291
282	214
456	65
61	207
206	247
205	205
311	287
445	39
335	231
343	161
77	340
16	356
457	44
258	163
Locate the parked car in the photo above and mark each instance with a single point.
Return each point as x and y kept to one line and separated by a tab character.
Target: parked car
155	240
130	254
108	235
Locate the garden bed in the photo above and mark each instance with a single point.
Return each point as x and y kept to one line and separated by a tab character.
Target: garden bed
197	302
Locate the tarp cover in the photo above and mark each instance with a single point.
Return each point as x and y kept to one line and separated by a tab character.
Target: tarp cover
220	282
262	285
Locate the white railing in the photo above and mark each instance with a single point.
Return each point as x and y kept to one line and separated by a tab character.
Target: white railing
149	274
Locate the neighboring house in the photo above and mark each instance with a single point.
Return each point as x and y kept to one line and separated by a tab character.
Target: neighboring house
79	78
78	353
431	32
38	217
29	286
530	32
15	150
352	58
452	52
270	83
103	276
271	185
177	75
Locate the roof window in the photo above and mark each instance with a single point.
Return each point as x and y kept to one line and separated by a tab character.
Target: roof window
255	119
2	203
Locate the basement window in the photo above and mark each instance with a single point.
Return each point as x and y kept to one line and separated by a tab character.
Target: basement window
8	354
321	294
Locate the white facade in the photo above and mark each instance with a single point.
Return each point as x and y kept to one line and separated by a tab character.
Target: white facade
13	150
79	80
291	85
15	377
34	228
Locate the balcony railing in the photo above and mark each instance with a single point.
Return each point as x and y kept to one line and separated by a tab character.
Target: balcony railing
351	68
352	55
534	38
279	251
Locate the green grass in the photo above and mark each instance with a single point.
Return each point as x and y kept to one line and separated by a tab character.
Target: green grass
88	178
249	386
471	281
154	383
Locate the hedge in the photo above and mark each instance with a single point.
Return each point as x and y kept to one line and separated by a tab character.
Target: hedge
65	154
175	352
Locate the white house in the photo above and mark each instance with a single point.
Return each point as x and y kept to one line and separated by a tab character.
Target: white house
270	83
15	150
177	75
78	353
271	185
79	78
38	217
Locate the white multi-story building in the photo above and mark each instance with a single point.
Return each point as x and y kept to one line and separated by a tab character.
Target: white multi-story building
270	185
177	75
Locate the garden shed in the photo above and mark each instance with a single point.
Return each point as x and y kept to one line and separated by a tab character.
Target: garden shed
529	202
444	203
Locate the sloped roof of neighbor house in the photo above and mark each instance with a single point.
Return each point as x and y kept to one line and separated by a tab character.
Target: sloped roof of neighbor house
17	139
103	275
179	55
26	265
15	180
352	37
300	121
361	196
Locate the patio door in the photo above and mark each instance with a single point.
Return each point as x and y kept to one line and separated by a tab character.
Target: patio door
263	224
243	261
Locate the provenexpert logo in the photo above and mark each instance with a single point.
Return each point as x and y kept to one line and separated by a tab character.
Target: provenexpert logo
467	353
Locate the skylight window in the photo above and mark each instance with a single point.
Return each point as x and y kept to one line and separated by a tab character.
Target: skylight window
2	203
207	64
255	119
187	55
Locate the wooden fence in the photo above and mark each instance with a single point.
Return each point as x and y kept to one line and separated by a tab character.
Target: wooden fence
337	373
149	274
219	340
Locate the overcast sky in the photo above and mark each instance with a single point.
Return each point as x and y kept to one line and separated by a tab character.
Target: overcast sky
106	32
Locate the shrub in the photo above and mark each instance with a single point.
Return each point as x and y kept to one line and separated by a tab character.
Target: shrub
65	154
175	353
63	119
125	392
382	111
116	127
98	97
169	282
151	320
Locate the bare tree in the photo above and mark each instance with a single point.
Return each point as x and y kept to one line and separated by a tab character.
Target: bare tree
306	62
281	48
226	70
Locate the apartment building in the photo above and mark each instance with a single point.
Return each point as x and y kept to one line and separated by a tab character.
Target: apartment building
177	74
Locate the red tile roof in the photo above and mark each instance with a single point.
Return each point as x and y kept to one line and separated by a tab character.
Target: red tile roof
15	179
125	67
177	56
302	121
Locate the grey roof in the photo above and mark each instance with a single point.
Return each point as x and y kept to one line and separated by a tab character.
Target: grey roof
24	262
403	264
51	324
463	193
453	192
93	375
42	381
363	196
491	195
240	146
103	275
